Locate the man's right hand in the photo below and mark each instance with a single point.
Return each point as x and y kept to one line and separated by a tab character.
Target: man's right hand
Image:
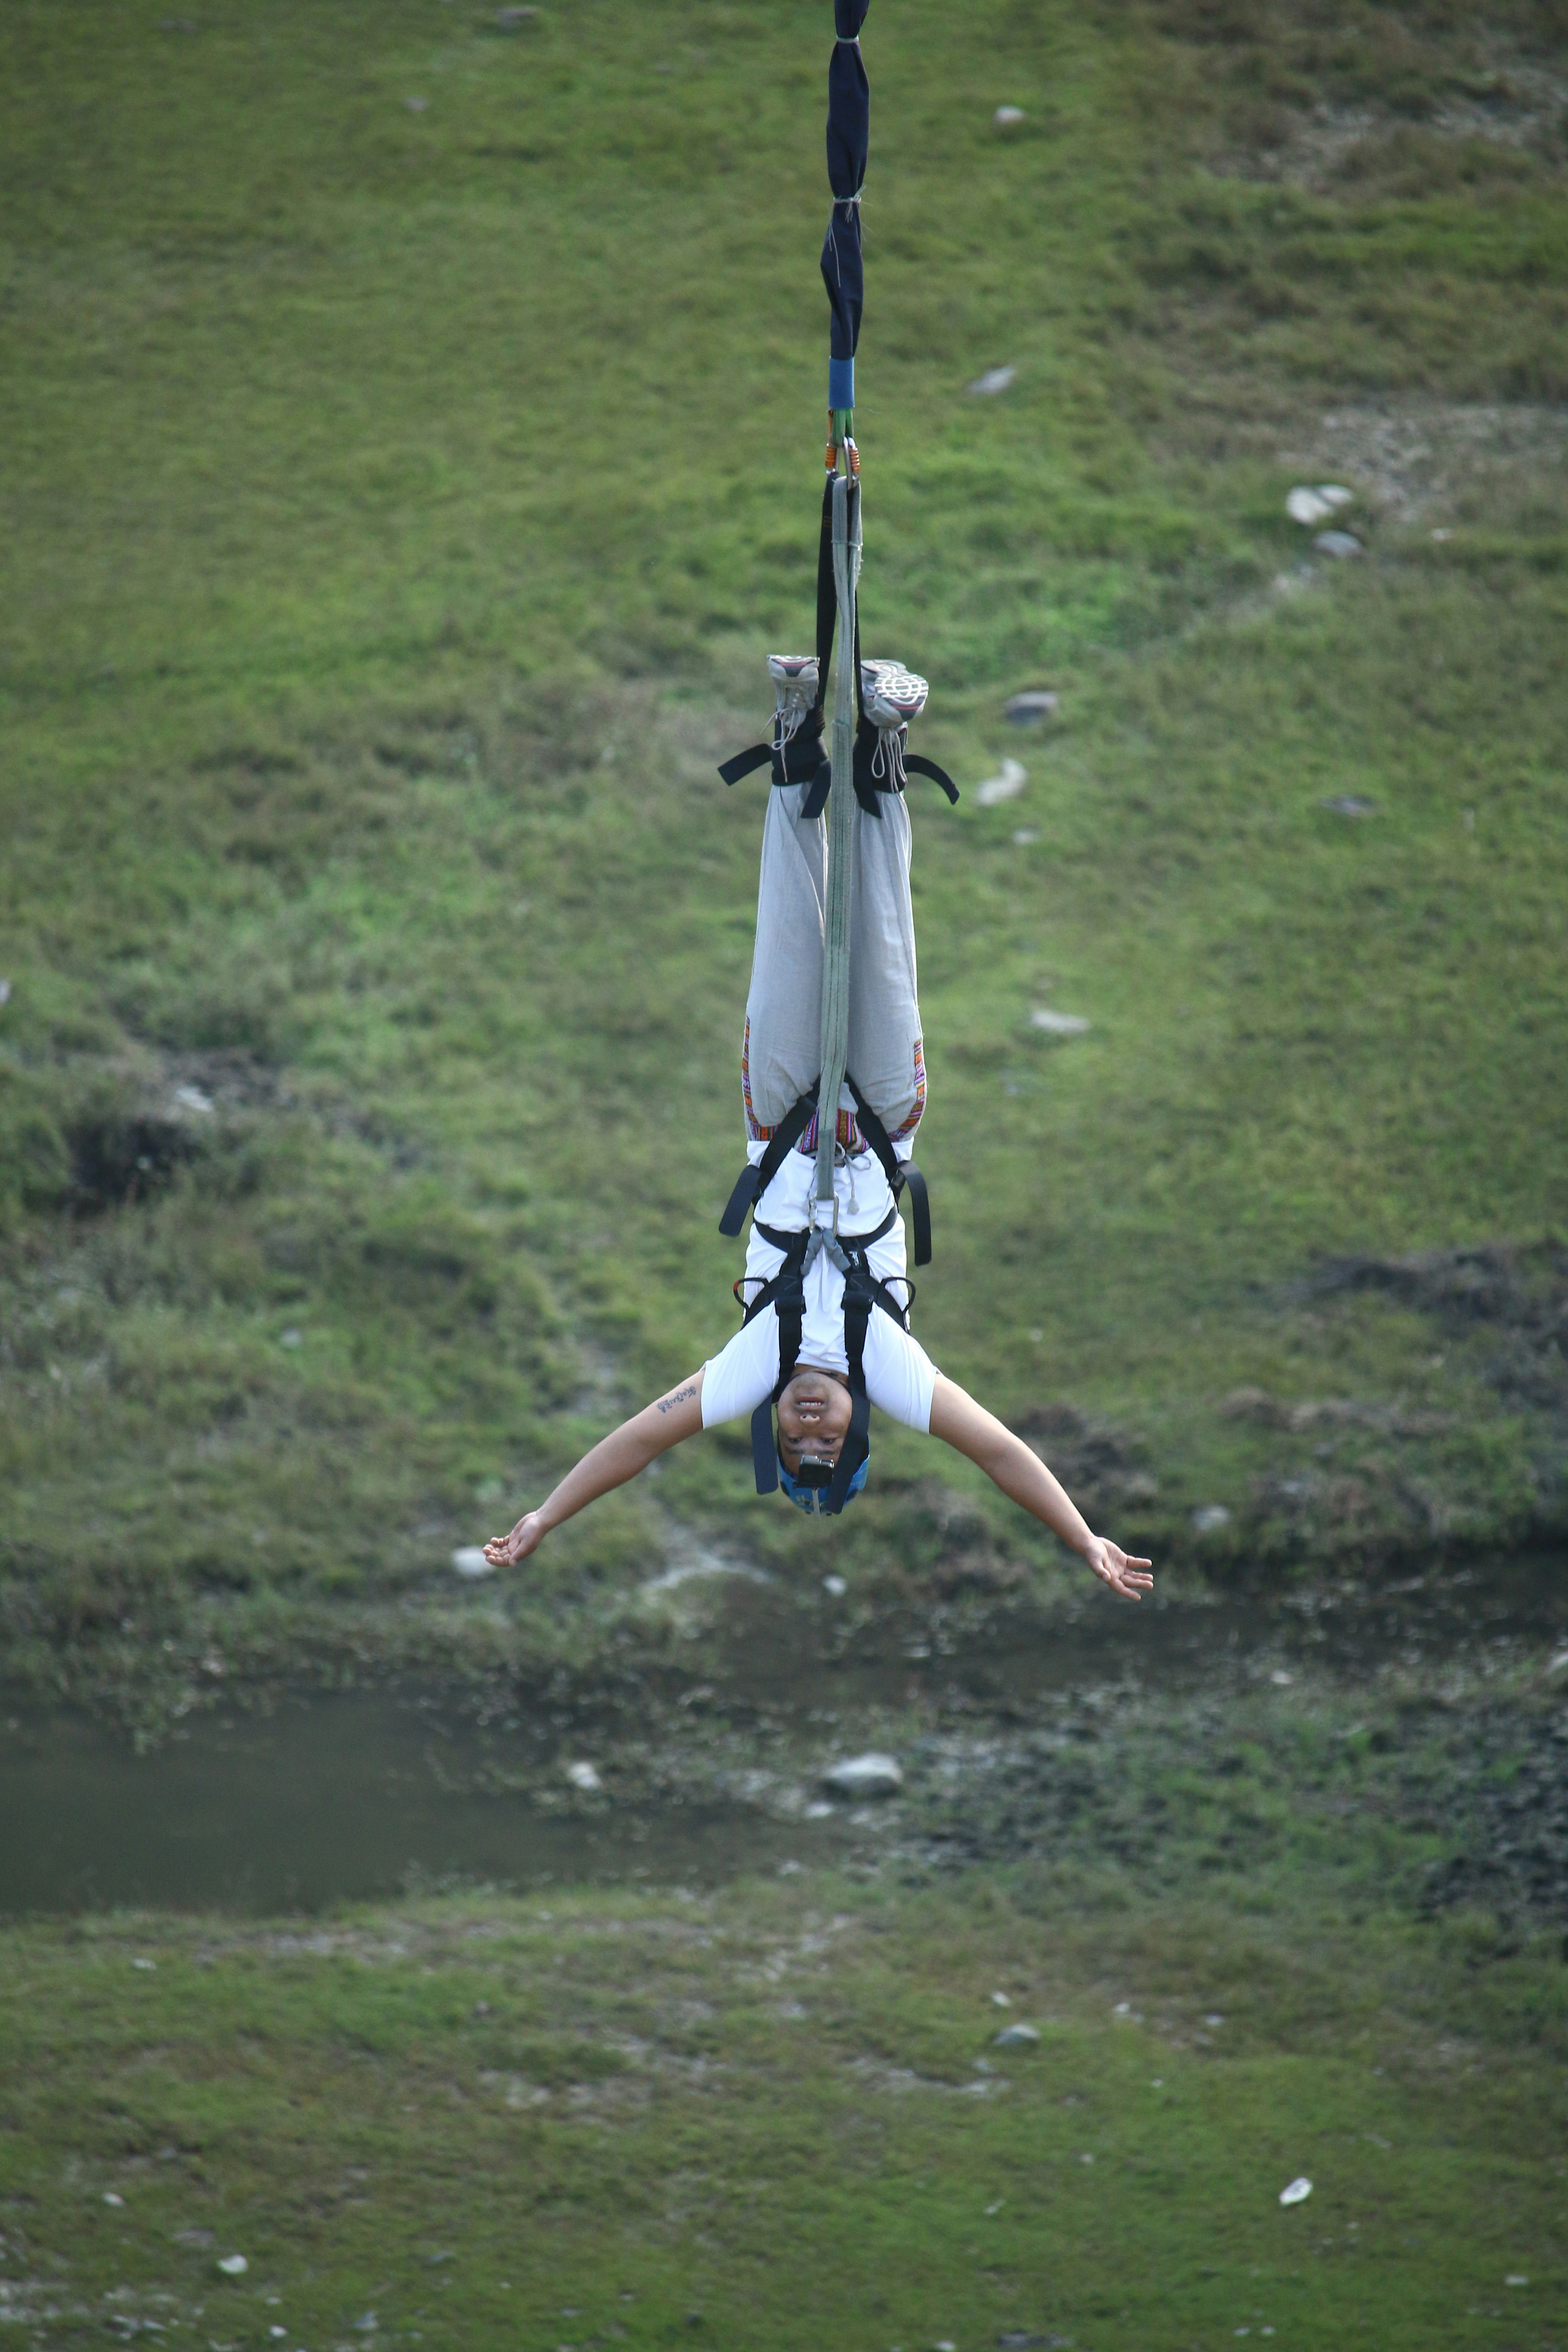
505	1551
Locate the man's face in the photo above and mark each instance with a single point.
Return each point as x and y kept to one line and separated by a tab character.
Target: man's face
814	1417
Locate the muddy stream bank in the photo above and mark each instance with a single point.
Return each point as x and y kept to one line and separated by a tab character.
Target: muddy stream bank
1146	1738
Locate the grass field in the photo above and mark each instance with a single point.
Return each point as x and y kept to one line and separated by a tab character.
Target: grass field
400	500
781	2118
412	429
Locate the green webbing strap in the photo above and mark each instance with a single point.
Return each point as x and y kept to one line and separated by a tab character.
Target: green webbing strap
840	834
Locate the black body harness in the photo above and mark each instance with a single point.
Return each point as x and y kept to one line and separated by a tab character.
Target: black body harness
785	1290
752	1183
803	758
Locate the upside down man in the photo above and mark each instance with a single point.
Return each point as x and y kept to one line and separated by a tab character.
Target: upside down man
826	1333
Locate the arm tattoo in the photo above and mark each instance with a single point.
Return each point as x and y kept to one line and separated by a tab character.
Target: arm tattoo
668	1404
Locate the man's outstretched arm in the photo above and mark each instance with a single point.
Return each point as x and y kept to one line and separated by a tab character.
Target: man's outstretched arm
676	1414
1009	1462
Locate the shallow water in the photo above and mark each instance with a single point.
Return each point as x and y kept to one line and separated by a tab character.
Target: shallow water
329	1798
297	1801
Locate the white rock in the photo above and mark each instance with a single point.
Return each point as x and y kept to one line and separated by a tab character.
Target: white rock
1004	786
1210	1518
1296	2193
470	1561
1280	1679
1559	1665
416	105
149	1965
1006	116
233	2265
1025	838
835	1587
110	2198
292	1337
1000	2000
1516	2278
817	1813
1350	805
1058	1024
4	992
1017	2037
994	380
1307	507
1338	544
1037	702
583	1777
864	1775
193	1099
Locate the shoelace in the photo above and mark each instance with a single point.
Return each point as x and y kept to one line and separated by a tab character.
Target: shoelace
887	759
790	716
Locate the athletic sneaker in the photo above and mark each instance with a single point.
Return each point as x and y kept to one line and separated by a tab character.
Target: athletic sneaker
794	682
891	694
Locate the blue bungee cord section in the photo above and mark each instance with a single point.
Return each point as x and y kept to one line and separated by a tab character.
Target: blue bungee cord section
843	264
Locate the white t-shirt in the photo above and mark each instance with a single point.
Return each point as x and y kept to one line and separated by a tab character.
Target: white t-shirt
900	1378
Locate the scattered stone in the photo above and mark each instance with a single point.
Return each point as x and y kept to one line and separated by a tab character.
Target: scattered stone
469	1560
1006	116
1296	2191
416	105
1214	2018
1001	2000
817	1813
1308	506
1017	2037
1025	837
1210	1518
835	1587
1280	1679
292	1338
367	2323
1516	2278
148	1965
583	1777
233	2265
1338	544
1350	805
509	19
1058	1024
705	1564
1558	1664
1027	709
791	1869
1005	785
200	2238
4	992
109	2198
193	1099
994	380
864	1775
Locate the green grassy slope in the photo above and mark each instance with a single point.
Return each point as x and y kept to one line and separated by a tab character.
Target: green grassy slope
398	503
756	2122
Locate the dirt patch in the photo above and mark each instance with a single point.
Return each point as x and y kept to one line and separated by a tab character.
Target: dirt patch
1414	458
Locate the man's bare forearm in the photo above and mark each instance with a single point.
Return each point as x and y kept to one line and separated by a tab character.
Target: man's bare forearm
1006	1459
625	1451
676	1414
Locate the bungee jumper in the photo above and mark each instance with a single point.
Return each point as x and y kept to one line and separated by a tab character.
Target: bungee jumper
832	1020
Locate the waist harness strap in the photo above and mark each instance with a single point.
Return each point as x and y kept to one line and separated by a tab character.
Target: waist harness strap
752	1183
